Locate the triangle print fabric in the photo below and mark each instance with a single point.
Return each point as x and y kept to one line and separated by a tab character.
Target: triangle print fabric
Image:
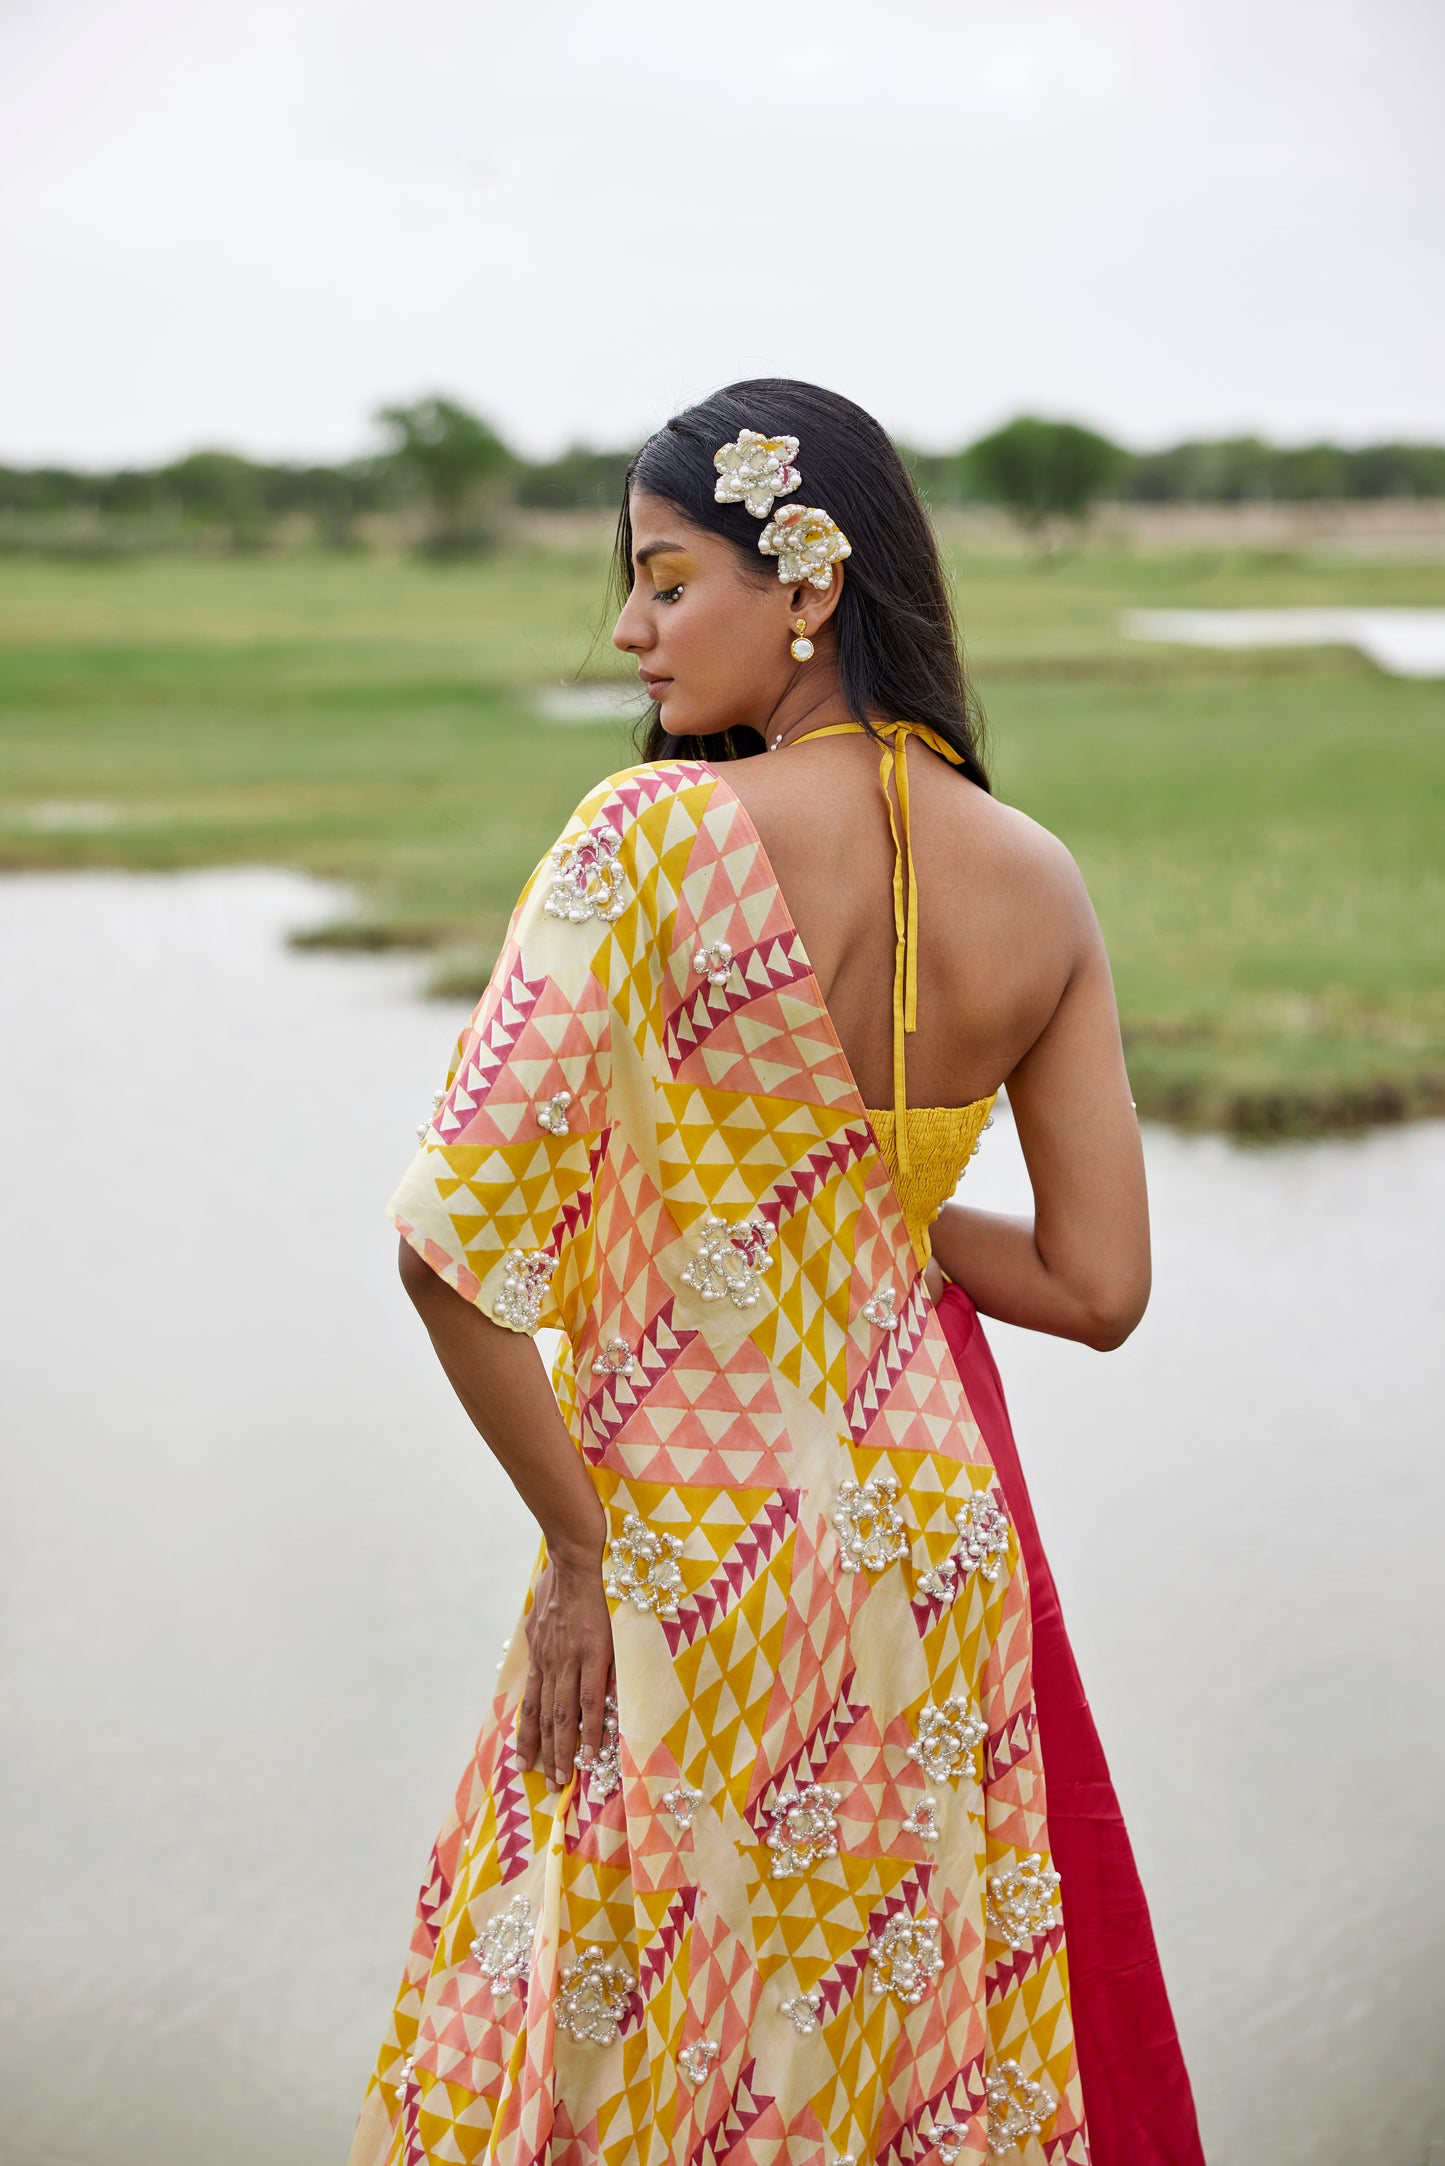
804	1912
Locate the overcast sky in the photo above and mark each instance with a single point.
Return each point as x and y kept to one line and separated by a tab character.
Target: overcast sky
250	222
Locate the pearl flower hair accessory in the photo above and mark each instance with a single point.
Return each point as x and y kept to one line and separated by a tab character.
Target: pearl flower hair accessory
753	470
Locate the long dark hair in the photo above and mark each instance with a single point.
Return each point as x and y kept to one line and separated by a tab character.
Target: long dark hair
898	647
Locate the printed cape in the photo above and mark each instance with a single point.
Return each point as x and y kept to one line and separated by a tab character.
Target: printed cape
802	1912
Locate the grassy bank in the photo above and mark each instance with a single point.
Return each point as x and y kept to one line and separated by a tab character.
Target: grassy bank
1261	833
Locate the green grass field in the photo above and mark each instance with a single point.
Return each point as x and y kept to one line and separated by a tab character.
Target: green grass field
1261	833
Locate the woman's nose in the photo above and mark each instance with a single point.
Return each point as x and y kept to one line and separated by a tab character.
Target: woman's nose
632	632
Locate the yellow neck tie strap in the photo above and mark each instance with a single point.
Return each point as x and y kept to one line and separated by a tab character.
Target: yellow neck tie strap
905	916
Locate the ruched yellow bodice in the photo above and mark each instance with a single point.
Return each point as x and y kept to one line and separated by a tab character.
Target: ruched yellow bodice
941	1141
925	1148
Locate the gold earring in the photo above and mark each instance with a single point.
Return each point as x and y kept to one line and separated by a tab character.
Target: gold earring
802	647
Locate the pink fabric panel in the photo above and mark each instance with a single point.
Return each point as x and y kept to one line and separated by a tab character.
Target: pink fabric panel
1137	2100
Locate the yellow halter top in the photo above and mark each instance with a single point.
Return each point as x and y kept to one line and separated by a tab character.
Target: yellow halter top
925	1148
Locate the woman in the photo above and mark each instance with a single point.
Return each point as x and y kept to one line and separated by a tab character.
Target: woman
755	1860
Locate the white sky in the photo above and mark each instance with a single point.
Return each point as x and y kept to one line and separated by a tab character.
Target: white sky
250	222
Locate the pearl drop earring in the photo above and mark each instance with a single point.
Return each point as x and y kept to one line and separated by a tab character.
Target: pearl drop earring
802	647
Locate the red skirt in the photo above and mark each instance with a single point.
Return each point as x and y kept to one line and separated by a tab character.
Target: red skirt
1137	2101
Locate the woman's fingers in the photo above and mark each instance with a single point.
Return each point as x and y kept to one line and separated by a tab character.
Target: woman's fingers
529	1728
565	1715
592	1696
544	1722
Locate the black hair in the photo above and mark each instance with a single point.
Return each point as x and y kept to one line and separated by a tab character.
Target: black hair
898	647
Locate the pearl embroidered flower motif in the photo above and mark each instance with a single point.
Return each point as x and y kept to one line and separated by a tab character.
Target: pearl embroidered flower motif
804	2011
805	1829
552	1113
754	469
923	1820
806	543
878	1308
1016	2108
682	1802
905	1958
938	1579
642	1569
696	2060
524	1284
586	878
592	1998
614	1358
948	2139
730	1260
715	962
604	1771
1021	1902
983	1531
948	1737
870	1530
436	1105
503	1948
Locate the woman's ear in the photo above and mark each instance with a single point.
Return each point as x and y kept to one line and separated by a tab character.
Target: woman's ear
816	604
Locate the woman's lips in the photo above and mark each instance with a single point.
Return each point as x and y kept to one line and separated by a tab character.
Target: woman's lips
655	687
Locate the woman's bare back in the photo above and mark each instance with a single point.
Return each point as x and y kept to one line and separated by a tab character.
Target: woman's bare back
998	912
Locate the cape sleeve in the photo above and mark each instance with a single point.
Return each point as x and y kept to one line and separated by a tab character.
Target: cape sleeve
504	1177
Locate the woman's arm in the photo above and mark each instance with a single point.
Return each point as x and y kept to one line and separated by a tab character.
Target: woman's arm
499	1377
1080	1268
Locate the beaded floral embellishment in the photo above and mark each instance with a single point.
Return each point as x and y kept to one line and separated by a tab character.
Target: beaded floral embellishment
715	962
426	1127
642	1569
552	1113
948	2139
524	1286
870	1529
948	1738
804	2011
878	1308
805	1829
806	543
682	1802
604	1770
587	879
696	2061
923	1820
592	1998
905	1958
503	1948
754	469
1016	2108
983	1531
614	1358
1021	1902
730	1260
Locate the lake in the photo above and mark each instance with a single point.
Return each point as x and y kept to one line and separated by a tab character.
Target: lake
255	1568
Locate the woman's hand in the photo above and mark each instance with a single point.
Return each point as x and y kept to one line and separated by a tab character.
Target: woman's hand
569	1638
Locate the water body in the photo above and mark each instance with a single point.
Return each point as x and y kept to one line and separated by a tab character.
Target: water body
255	1568
1404	642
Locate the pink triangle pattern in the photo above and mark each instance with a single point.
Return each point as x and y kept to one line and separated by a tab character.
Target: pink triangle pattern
871	1393
745	2109
751	1551
957	2100
765	967
661	1951
1011	1967
811	1757
798	1188
1006	1747
484	1059
615	1400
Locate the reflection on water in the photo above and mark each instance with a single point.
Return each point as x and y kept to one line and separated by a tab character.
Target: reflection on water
255	1569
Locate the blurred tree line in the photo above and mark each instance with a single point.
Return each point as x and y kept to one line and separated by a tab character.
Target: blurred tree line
445	482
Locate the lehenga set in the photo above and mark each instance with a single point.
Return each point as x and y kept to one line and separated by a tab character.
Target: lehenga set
811	1905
